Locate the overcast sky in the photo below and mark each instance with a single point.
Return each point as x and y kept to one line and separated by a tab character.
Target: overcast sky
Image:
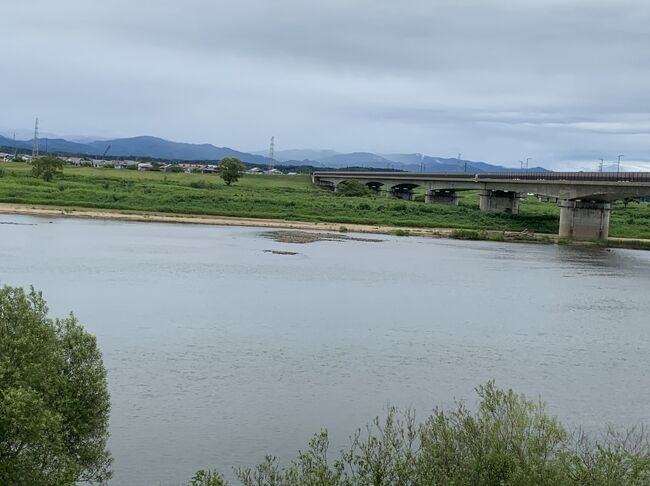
562	81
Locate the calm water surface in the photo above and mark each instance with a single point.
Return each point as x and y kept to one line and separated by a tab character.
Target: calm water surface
218	352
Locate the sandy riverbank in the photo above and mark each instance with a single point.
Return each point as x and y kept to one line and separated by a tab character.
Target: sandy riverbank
49	211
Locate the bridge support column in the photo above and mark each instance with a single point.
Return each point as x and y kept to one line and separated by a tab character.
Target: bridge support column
584	220
406	194
375	188
441	197
499	201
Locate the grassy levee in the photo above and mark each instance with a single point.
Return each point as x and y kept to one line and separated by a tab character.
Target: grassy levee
291	198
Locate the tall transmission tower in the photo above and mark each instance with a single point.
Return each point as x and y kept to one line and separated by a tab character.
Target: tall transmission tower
600	166
271	153
35	142
421	157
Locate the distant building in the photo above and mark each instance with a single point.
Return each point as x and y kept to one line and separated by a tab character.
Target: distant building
101	162
145	166
123	164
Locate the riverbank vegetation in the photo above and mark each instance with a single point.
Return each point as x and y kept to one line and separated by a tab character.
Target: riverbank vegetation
281	197
54	402
508	441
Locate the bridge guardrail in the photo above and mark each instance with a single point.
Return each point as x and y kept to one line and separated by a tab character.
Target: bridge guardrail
528	176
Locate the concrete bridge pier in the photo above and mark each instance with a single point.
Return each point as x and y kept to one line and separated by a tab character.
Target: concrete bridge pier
499	201
441	197
402	193
375	187
584	220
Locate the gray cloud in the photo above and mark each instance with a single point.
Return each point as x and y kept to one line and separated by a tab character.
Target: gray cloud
499	80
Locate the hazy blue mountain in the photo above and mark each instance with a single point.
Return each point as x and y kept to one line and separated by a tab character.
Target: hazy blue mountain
138	147
417	162
49	145
357	159
85	139
59	145
408	162
9	143
300	154
147	146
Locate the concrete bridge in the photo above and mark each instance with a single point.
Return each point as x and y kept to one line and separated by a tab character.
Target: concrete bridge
584	197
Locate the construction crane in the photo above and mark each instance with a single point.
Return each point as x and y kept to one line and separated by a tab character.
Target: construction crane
106	151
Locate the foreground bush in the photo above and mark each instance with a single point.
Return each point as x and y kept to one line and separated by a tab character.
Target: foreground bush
508	441
54	403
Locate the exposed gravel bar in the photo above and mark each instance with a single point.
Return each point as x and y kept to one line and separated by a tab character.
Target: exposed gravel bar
311	237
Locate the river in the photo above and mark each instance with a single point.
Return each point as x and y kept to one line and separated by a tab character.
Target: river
219	352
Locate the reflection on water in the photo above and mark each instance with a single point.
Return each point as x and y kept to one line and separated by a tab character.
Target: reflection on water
219	352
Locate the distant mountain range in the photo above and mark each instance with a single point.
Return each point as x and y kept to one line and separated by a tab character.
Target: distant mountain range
147	146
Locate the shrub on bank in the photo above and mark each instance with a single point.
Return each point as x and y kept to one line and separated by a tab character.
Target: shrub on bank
353	189
508	441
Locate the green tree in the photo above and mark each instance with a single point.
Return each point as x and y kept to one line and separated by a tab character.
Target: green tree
54	402
47	167
231	169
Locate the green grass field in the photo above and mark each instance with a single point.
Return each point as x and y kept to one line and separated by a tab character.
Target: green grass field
282	197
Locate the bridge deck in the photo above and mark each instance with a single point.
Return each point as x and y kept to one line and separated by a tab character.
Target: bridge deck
513	176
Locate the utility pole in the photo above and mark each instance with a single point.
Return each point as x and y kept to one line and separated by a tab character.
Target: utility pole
602	163
618	166
527	160
271	152
15	147
35	141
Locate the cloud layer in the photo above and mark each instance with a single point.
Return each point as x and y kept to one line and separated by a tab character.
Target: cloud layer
564	82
